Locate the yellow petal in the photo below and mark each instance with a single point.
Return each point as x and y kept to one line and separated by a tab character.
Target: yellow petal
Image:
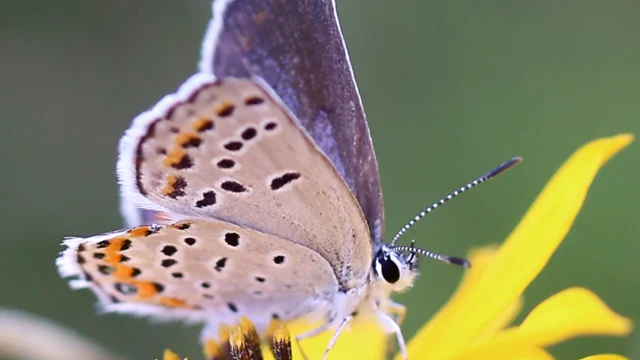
569	313
525	252
480	259
605	357
573	312
363	340
503	320
520	352
170	355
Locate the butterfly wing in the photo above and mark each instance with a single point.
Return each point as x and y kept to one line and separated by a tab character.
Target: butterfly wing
199	270
230	150
298	48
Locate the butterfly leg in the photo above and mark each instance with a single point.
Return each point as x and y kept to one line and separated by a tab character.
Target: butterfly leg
336	334
395	328
309	334
398	311
319	330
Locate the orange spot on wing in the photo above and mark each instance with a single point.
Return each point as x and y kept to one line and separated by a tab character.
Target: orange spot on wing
175	186
112	252
181	225
115	244
146	289
202	124
112	257
173	302
186	138
171	180
224	109
123	272
174	157
140	231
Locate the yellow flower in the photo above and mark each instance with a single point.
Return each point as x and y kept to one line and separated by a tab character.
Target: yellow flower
466	326
474	324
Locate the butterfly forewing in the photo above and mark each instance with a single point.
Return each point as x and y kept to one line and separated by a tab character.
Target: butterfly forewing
229	150
298	48
200	267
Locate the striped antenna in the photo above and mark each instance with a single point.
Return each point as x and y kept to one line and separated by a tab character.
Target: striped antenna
497	171
446	258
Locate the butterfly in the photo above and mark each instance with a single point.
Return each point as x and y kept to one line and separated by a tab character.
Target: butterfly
254	189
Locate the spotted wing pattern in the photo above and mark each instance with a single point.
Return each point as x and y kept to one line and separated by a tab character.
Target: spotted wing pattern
299	50
199	268
230	150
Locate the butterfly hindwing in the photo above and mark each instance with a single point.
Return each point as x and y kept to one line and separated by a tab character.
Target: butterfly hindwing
192	269
230	150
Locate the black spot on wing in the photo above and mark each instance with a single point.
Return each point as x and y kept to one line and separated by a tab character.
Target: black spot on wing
226	164
233	145
168	263
254	100
169	250
233	186
185	162
208	199
249	134
232	239
283	180
220	264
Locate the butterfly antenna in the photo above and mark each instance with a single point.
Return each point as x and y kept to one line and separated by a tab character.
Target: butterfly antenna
412	250
498	170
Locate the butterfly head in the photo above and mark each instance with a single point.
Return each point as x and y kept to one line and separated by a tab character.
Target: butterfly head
394	269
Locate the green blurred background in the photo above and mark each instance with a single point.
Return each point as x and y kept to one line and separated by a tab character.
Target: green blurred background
451	89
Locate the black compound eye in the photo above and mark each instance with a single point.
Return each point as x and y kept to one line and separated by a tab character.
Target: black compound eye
389	269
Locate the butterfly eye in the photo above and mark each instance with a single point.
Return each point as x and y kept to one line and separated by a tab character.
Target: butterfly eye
388	268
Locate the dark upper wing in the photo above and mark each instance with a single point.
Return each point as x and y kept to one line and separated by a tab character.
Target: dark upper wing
296	46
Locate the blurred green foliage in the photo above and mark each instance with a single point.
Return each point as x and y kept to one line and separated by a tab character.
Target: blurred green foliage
451	89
